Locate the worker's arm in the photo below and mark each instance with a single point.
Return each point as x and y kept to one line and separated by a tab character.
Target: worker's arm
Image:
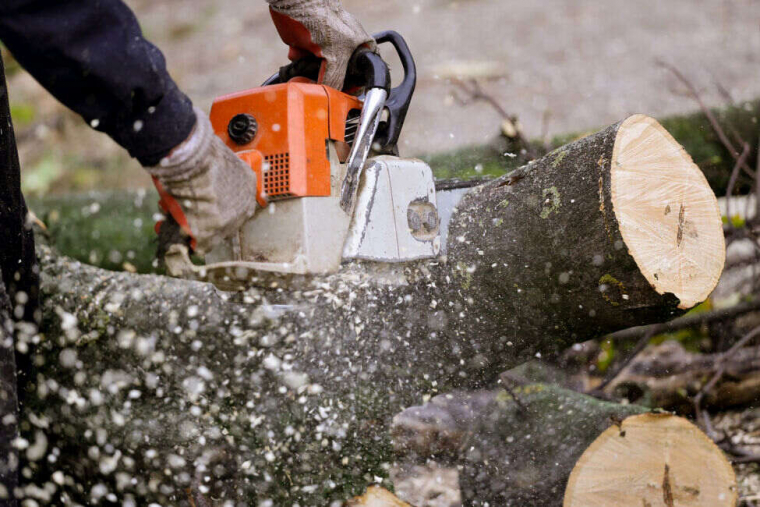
91	55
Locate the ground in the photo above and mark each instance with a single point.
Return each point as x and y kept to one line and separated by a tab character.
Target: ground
581	64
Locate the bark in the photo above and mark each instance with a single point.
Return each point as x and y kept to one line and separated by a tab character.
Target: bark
510	452
668	376
147	386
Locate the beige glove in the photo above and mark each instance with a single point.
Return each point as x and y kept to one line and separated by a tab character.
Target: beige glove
322	28
213	191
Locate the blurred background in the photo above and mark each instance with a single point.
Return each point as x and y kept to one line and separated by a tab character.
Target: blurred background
559	66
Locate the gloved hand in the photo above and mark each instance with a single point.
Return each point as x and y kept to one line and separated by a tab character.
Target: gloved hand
322	28
207	189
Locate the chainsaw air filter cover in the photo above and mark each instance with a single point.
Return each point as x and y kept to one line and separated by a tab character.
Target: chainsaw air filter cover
293	124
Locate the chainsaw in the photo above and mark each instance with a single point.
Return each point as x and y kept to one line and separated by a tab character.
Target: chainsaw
330	183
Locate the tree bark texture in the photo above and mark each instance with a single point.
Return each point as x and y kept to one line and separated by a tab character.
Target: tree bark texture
514	448
147	386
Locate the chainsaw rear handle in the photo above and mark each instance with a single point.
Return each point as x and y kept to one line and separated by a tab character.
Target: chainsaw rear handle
400	97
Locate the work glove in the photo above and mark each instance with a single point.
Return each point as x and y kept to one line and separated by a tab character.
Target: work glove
205	188
321	28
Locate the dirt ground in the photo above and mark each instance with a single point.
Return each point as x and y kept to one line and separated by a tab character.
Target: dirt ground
580	63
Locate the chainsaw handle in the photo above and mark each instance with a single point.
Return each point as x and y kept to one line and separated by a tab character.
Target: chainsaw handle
400	97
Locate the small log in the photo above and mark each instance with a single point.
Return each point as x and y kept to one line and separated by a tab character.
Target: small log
652	459
285	392
511	450
668	376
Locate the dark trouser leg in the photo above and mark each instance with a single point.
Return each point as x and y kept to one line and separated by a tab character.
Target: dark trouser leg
18	291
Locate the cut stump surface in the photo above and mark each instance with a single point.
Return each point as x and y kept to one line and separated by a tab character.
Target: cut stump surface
652	460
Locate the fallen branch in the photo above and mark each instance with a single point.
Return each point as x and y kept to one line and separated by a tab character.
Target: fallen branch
669	377
710	116
685	322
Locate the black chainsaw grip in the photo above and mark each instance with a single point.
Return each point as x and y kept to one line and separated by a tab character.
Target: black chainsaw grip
400	97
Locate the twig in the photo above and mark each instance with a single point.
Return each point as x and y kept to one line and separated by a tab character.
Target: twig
723	91
517	399
612	375
685	321
545	128
732	182
476	93
757	184
738	455
720	372
710	116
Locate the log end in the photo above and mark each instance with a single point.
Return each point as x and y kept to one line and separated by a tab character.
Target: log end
377	497
667	213
648	460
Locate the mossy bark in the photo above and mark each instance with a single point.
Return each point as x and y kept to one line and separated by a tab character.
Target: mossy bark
544	236
148	385
511	452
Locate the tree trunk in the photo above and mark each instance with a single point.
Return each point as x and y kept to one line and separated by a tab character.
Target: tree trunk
285	392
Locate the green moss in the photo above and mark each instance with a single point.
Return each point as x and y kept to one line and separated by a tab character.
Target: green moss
561	154
551	200
608	279
465	274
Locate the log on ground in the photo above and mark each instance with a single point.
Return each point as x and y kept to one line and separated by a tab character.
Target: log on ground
652	459
539	444
511	451
285	392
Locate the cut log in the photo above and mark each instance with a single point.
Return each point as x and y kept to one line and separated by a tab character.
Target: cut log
652	459
377	497
285	392
509	452
521	448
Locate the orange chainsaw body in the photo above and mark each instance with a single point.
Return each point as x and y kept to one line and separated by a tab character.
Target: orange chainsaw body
294	123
